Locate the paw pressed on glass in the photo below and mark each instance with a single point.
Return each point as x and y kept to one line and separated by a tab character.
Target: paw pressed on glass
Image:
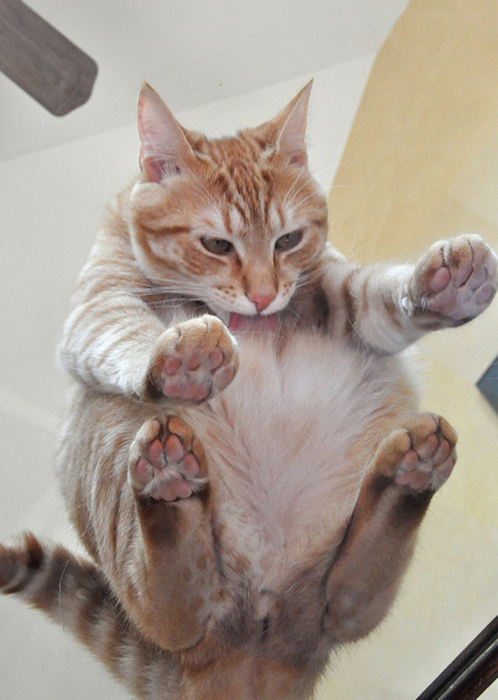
456	278
421	456
167	461
195	359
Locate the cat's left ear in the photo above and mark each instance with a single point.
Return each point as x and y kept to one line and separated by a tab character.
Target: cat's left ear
165	150
292	122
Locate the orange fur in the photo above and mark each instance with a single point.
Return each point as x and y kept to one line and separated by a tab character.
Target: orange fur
249	499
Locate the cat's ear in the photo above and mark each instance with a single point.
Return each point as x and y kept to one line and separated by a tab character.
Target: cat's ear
292	123
165	150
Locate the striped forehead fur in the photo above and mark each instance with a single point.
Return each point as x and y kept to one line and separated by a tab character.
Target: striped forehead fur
247	175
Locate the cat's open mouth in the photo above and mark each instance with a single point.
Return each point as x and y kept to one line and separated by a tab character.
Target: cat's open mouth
257	324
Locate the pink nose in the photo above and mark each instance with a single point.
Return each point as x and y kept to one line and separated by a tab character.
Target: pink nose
261	301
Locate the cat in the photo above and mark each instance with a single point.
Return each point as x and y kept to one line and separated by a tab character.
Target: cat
242	455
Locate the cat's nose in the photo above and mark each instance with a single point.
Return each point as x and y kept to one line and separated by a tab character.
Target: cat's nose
262	301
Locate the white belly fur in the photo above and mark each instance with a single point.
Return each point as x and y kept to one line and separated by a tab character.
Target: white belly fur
280	439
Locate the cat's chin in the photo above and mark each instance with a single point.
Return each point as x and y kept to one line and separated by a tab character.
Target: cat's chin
256	324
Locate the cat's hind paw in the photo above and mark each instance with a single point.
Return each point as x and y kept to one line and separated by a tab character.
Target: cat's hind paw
194	360
456	278
420	457
167	461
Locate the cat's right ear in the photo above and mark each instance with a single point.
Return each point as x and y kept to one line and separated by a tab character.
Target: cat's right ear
165	150
291	123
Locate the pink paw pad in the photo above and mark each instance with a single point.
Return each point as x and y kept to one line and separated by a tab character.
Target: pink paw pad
430	459
195	360
440	280
166	461
215	358
458	278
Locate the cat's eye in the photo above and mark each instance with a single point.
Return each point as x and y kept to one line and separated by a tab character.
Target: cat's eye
289	240
218	246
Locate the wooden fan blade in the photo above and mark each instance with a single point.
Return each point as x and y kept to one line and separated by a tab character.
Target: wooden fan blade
42	61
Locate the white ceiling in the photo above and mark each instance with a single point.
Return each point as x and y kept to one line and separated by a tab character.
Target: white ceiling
192	52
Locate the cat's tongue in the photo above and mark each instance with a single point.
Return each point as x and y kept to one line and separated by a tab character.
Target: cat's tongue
256	324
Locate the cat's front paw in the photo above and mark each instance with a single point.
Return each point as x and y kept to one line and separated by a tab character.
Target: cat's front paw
194	360
456	279
420	457
166	460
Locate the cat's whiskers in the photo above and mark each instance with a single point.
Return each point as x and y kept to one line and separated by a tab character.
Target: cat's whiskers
290	191
184	287
300	203
289	200
308	279
290	310
169	303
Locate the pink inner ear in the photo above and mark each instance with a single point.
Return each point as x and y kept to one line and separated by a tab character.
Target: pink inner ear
291	142
165	148
155	169
152	169
300	159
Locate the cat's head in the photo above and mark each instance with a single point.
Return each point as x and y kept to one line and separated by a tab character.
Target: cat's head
235	222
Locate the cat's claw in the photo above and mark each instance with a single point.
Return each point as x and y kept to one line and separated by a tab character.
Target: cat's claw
194	360
420	457
166	460
456	278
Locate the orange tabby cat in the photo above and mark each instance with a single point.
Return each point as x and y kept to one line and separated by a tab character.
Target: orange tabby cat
242	457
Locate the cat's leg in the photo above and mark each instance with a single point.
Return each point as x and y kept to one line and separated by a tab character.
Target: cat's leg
193	360
176	582
189	360
389	307
407	469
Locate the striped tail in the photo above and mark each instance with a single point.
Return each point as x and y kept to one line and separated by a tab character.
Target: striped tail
73	593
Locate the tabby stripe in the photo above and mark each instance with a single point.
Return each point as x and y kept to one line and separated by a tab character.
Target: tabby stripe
74	593
91	314
349	301
116	517
227	223
244	215
17	571
108	340
166	230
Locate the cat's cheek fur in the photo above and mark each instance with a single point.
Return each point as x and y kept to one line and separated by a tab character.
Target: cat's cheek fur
145	200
